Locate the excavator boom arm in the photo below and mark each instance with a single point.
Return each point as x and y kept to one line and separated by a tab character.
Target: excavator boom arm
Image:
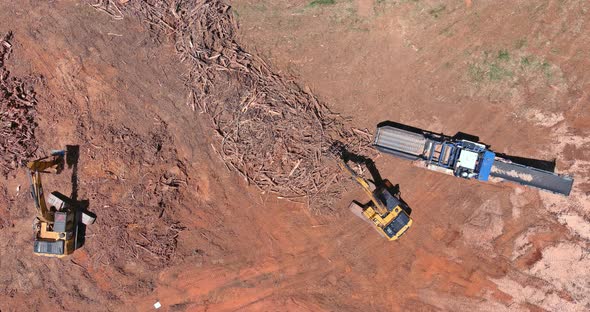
365	186
43	165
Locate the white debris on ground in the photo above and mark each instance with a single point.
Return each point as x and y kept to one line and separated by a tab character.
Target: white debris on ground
522	244
576	224
574	210
563	267
447	302
517	201
566	266
544	297
544	119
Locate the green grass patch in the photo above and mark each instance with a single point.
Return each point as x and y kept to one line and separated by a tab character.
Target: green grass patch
476	73
436	11
525	61
488	72
534	63
495	66
547	69
520	43
497	72
315	3
503	55
500	65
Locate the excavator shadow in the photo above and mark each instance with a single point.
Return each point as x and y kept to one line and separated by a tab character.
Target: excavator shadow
72	160
395	189
377	179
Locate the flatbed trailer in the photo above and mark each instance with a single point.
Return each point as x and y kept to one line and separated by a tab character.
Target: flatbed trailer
464	158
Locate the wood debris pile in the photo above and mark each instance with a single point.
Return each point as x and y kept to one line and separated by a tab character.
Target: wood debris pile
276	134
17	115
138	225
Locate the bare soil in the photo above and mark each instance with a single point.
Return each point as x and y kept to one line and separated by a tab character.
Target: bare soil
176	226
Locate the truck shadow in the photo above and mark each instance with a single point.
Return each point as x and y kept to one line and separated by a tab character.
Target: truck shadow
82	206
547	165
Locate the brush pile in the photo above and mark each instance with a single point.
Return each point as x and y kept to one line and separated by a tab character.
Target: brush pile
17	115
276	134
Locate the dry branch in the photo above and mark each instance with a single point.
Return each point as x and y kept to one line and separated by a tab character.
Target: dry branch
17	114
274	133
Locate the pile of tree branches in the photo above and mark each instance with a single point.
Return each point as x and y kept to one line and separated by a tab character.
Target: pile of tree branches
17	114
276	134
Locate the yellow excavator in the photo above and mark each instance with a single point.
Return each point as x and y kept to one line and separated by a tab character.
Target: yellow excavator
56	224
384	211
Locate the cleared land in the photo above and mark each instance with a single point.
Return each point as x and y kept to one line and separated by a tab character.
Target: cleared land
175	225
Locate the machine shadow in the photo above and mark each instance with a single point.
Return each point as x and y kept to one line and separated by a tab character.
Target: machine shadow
400	126
82	206
547	165
377	179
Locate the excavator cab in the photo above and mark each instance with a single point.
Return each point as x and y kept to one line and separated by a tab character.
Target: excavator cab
57	238
394	220
397	219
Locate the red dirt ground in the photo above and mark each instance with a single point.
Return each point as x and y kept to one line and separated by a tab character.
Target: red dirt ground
513	74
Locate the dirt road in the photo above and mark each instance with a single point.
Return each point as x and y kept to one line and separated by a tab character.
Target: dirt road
176	226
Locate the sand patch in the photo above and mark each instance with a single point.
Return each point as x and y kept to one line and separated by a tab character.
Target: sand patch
566	267
542	297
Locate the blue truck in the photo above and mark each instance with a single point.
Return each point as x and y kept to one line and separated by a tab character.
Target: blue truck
463	158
